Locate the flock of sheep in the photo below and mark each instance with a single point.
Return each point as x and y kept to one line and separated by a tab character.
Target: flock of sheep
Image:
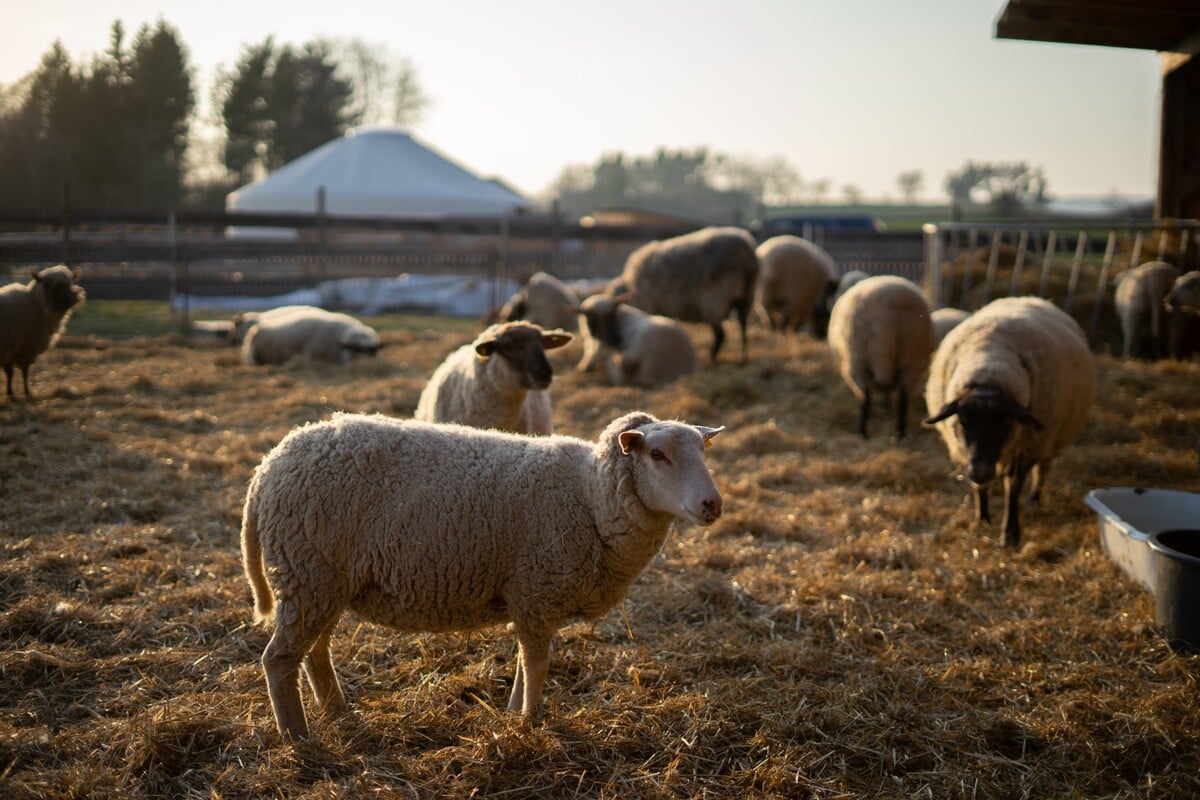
474	513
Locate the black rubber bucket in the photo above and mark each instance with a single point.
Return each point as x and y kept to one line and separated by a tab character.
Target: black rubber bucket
1177	593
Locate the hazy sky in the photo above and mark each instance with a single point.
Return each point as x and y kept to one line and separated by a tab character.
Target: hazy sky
853	91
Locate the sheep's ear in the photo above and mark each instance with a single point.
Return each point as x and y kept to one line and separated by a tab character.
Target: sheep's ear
76	274
630	441
946	411
553	339
623	297
1025	416
485	349
709	433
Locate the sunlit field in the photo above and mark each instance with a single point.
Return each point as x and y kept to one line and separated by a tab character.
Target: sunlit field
844	630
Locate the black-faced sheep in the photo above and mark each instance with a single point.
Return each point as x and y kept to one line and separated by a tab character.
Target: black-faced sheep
545	301
1183	305
429	527
796	280
32	315
500	381
1139	302
1008	389
274	336
881	338
698	277
635	347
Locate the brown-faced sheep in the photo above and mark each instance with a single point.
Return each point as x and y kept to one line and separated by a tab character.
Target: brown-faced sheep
429	527
32	316
500	381
881	337
635	347
1008	389
795	281
698	277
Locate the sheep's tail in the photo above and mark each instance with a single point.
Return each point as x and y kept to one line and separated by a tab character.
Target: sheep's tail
252	562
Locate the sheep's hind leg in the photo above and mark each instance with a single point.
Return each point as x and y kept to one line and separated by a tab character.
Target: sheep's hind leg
901	412
296	629
8	373
318	666
864	413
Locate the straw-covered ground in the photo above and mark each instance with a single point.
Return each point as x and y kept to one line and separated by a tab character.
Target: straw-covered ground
842	631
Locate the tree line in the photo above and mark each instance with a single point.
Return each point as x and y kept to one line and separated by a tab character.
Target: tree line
120	130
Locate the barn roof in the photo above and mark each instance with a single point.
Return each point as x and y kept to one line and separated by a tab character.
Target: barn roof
1164	25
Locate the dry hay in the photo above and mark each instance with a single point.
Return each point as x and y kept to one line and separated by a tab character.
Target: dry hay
843	631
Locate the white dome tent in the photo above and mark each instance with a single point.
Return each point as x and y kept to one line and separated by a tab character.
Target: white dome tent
377	171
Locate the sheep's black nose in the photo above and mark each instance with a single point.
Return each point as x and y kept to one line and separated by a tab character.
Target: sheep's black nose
712	508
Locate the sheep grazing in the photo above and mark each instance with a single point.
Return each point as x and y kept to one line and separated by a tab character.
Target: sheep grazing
1183	305
698	277
881	338
1008	389
1139	301
427	527
651	349
497	381
795	283
274	336
945	320
545	301
32	316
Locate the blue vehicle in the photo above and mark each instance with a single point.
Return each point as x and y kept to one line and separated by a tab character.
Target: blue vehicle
812	226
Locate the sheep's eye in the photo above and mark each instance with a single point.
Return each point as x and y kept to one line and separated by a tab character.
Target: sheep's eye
658	455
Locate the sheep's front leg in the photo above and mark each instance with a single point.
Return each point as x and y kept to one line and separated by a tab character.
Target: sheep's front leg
533	662
1014	481
8	373
981	504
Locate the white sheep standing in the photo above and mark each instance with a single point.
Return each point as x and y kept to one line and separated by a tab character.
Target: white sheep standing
945	320
428	527
1139	303
1008	389
881	337
699	277
32	316
545	301
635	347
499	380
796	280
274	336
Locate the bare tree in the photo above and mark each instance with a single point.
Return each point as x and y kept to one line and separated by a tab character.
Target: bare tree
910	183
386	88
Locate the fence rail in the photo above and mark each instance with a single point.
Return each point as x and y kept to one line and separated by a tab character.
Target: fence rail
1073	264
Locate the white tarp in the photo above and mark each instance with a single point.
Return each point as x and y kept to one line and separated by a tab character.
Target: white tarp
440	295
377	171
